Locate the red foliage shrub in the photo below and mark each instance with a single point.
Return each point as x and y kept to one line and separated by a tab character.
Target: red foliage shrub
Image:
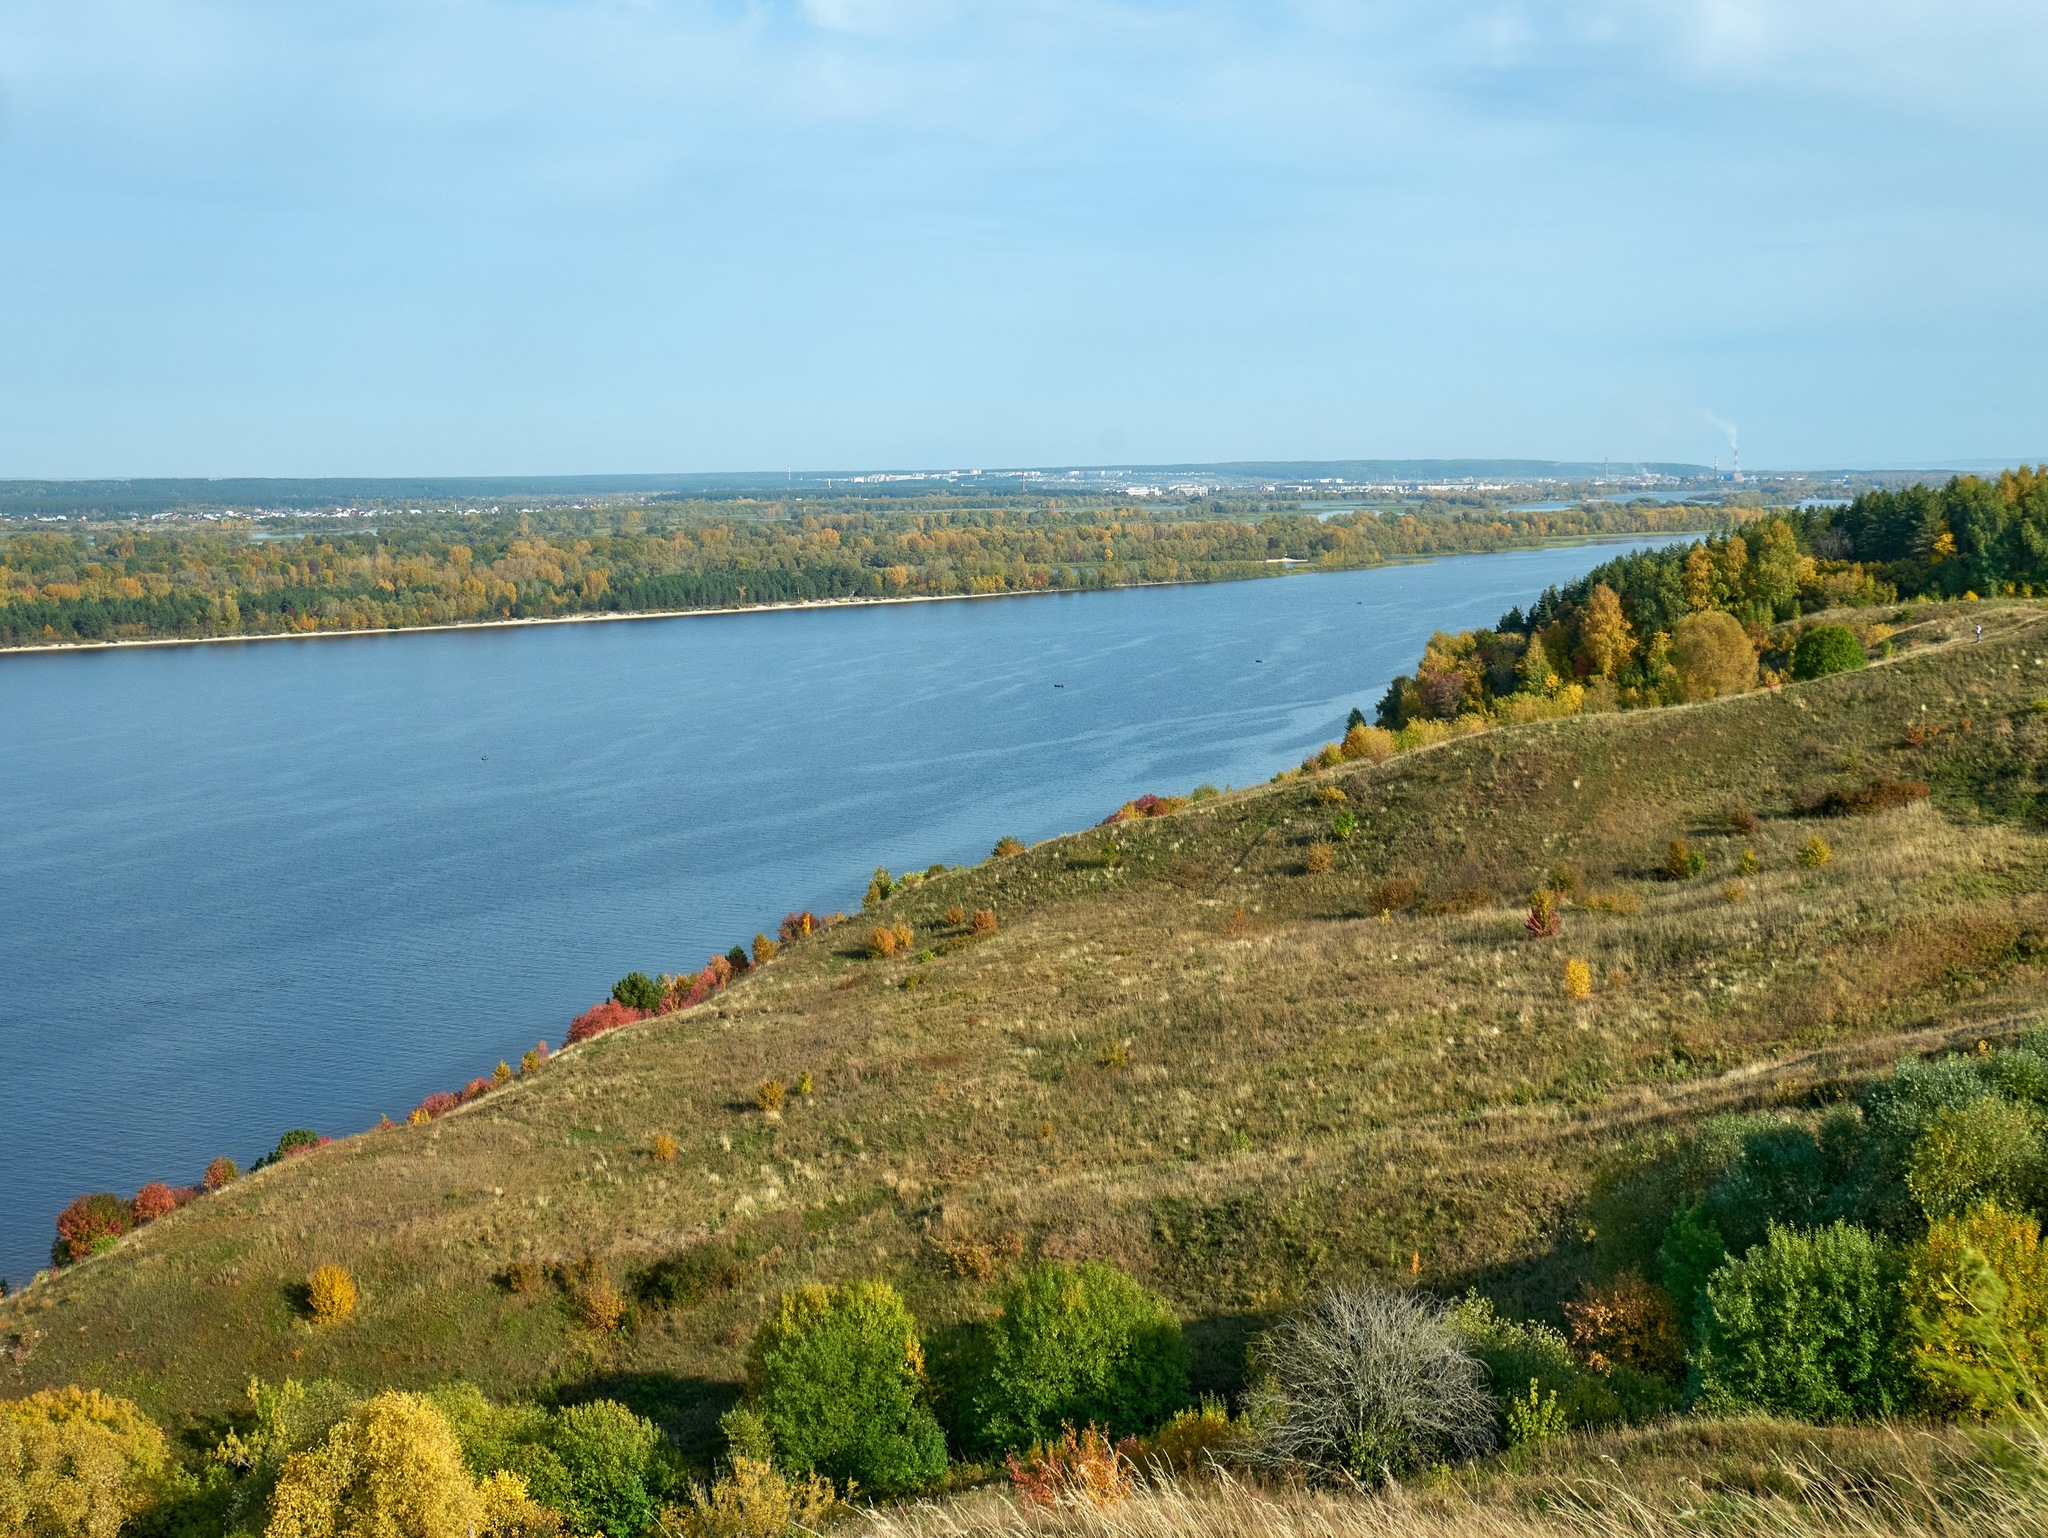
87	1220
598	1019
721	970
1631	1322
1544	921
796	925
474	1088
440	1103
1087	1468
223	1171
153	1201
983	922
1145	806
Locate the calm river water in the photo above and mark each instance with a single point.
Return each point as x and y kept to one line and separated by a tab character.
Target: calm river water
303	883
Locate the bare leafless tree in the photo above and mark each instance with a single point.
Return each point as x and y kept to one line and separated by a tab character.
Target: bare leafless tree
1370	1381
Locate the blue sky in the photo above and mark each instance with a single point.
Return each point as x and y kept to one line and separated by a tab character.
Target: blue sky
560	236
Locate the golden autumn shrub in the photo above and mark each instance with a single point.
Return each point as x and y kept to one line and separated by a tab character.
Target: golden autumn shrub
1320	858
76	1463
664	1148
1194	1443
599	1304
1578	979
881	942
771	1095
983	922
1977	1310
753	1501
331	1295
1374	744
392	1469
506	1510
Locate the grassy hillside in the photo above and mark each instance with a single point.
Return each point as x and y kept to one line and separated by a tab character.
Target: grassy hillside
1182	1050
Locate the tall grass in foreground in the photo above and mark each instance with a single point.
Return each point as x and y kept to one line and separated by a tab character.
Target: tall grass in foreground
2003	1496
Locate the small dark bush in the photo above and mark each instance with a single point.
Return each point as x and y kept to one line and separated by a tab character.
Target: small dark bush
1868	800
296	1141
1682	862
636	990
1806	1325
1395	895
1080	1345
682	1279
1827	649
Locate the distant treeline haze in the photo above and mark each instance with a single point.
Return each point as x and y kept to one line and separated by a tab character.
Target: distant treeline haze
121	583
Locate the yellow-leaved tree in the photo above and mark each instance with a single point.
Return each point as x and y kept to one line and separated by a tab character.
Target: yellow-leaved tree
1605	640
75	1463
1977	1309
1711	655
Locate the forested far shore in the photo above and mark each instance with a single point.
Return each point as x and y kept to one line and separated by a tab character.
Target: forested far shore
1724	613
122	582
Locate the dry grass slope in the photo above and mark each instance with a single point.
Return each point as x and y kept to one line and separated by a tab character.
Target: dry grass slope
1180	1051
1728	1480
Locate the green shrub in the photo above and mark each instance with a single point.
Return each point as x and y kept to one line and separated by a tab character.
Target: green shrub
1784	1174
1807	1325
837	1377
1827	649
636	990
1682	862
1692	1251
293	1141
1515	1352
1077	1346
1986	1151
2021	1075
1897	1109
1636	1196
1977	1312
610	1457
1535	1417
1343	825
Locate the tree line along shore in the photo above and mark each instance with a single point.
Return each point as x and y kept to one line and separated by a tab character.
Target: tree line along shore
145	582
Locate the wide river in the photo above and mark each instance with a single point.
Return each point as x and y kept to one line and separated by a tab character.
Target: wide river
302	883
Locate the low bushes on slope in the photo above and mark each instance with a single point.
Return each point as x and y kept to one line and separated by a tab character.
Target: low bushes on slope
1079	1346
